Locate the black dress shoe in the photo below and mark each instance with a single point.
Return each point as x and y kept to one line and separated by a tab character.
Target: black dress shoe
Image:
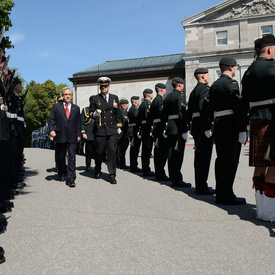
4	209
236	201
209	191
165	178
61	178
113	181
70	184
2	251
2	258
2	229
97	175
14	192
3	221
181	184
19	185
87	169
149	174
136	170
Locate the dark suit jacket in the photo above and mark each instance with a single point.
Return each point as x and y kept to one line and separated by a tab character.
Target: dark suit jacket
67	130
87	124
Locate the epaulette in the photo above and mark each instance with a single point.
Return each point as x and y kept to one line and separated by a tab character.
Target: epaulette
238	96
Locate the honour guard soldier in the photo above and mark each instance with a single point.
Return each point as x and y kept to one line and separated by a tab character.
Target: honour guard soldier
133	134
229	130
104	108
161	148
258	85
87	131
174	114
145	126
197	116
123	142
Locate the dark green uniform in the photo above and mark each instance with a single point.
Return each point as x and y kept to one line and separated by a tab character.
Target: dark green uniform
134	140
123	142
87	127
197	116
224	96
145	124
161	148
174	113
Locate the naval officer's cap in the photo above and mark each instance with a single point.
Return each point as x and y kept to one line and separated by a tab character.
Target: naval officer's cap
228	61
267	40
104	81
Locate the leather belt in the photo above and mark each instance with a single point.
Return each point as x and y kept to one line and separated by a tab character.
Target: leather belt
10	115
263	102
173	117
196	115
223	113
132	124
157	120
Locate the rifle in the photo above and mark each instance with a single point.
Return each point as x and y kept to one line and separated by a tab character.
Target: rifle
2	34
4	66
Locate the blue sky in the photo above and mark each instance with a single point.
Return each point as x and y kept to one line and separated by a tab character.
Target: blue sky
54	39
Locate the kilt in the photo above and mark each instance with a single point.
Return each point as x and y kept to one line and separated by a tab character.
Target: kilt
260	138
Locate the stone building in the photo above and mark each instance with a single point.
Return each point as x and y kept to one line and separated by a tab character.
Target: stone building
226	29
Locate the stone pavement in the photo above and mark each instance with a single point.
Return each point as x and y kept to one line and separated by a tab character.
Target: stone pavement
138	226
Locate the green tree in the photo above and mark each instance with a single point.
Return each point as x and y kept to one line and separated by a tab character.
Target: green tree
39	101
5	11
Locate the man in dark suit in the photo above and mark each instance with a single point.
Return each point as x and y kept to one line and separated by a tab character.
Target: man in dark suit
64	128
200	130
104	108
229	130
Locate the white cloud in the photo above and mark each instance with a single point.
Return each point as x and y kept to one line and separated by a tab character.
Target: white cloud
16	37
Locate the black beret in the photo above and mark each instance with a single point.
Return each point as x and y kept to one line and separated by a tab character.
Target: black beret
267	40
178	79
201	71
160	85
228	61
135	97
123	101
148	91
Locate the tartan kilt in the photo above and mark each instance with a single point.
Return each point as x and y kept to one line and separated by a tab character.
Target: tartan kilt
260	137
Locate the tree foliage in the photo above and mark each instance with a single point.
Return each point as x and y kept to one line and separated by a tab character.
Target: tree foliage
39	101
5	11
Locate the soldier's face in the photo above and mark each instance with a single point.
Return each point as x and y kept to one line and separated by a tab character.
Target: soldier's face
234	71
67	96
207	78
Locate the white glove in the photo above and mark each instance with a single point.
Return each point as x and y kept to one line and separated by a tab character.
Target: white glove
208	133
165	136
242	137
96	113
138	136
118	131
185	136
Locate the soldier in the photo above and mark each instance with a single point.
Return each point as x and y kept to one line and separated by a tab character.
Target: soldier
104	108
133	134
161	148
87	131
197	116
229	130
123	142
174	114
258	94
145	127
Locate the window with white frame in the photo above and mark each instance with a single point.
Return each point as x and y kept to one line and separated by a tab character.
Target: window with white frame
221	38
267	30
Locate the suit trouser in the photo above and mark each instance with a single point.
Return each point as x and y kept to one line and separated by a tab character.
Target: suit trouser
106	144
134	151
160	156
89	152
4	169
146	151
226	164
61	149
123	144
202	159
176	147
19	154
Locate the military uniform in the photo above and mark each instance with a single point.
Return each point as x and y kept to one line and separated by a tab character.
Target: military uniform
145	126
123	142
107	121
174	114
132	134
198	120
161	148
229	121
87	127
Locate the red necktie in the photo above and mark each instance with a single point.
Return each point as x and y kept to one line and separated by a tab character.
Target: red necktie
67	111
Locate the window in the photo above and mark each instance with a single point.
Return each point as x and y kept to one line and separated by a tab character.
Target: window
267	30
221	38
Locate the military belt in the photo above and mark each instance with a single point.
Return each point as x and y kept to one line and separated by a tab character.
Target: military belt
157	120
132	124
196	115
20	118
173	117
223	113
263	102
10	115
143	122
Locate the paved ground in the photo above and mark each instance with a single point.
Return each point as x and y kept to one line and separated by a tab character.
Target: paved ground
138	226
